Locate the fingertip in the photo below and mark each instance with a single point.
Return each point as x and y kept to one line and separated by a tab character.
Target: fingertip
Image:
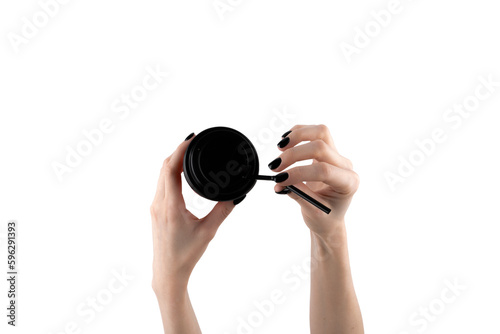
239	200
278	188
274	165
281	177
284	191
175	161
184	145
283	143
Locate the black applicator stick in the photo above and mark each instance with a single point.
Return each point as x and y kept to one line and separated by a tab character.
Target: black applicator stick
299	193
308	198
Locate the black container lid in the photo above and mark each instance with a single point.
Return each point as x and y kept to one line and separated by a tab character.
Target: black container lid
220	164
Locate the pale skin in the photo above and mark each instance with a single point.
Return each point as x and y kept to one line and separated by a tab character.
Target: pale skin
180	238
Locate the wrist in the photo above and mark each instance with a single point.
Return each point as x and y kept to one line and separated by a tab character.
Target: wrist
330	244
169	285
333	238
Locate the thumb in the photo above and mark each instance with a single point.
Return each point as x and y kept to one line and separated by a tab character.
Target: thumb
219	213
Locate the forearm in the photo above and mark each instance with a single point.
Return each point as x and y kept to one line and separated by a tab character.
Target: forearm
334	306
176	310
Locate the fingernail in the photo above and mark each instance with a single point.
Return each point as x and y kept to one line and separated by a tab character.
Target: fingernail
284	191
281	177
275	163
189	137
239	200
284	142
286	134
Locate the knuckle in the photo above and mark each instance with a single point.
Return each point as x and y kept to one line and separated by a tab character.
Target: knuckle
153	210
156	210
169	170
205	233
320	147
354	182
324	169
209	234
297	173
288	155
323	129
349	163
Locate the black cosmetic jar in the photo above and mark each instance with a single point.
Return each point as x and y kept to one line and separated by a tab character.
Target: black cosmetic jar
221	164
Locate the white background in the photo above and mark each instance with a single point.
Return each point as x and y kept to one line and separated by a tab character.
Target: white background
440	224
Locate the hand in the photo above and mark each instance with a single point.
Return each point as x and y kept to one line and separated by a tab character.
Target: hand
330	178
179	237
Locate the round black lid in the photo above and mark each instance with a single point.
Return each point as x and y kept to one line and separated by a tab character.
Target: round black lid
220	164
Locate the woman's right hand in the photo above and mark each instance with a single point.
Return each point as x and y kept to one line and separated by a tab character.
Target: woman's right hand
329	179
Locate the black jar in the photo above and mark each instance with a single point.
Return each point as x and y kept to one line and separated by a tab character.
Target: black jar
221	164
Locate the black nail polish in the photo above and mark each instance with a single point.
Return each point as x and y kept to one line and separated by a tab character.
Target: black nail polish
284	191
286	134
189	137
239	200
284	142
281	177
275	163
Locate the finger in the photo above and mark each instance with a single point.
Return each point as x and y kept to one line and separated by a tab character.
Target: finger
295	127
282	190
214	218
316	149
306	133
160	186
173	170
341	180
